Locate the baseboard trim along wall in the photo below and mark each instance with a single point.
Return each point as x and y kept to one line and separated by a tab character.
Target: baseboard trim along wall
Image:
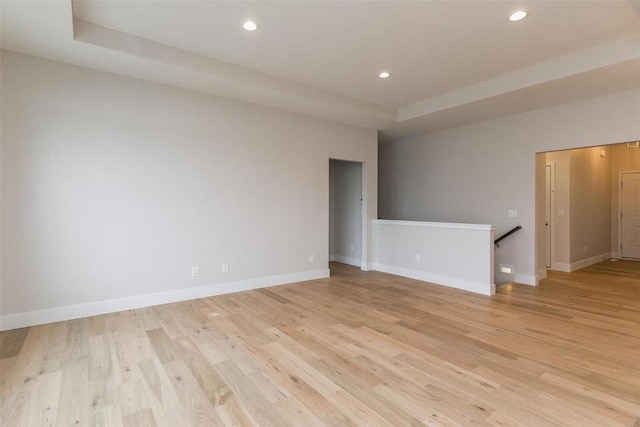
561	266
451	282
568	268
346	260
57	314
589	261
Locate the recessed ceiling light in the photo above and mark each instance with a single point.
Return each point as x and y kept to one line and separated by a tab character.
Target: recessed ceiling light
250	26
384	75
517	15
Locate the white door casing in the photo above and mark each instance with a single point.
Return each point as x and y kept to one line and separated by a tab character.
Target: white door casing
550	201
547	215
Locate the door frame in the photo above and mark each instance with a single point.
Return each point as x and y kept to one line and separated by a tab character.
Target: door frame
552	209
618	249
364	229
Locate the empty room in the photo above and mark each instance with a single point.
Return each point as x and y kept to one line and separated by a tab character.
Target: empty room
319	213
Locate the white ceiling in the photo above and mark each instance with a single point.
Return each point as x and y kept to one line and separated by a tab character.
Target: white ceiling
452	62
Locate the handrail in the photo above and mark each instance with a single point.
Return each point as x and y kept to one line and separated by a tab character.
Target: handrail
505	235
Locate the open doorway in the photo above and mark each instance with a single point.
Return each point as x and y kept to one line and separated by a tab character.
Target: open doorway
346	212
583	205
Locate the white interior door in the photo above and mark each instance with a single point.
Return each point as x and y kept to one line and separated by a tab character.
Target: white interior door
630	215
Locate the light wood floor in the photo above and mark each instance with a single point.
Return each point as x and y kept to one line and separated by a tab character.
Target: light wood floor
356	349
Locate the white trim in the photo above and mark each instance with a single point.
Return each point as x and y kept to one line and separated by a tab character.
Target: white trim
615	254
552	208
364	219
569	268
454	225
589	261
526	279
561	266
451	282
346	260
57	314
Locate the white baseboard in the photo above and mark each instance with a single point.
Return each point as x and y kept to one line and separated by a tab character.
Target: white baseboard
568	268
561	266
451	282
615	255
589	261
57	314
346	260
542	274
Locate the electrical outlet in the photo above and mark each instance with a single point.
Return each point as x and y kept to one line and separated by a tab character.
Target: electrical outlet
225	268
512	213
585	249
418	258
195	272
353	248
312	258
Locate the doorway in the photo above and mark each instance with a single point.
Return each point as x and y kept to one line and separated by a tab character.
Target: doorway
578	213
346	212
629	215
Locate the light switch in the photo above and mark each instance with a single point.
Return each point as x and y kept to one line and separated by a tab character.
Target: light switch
560	212
512	213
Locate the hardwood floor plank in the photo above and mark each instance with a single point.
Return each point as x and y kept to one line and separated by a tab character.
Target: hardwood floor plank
256	403
166	407
163	346
195	404
213	387
233	413
143	418
74	407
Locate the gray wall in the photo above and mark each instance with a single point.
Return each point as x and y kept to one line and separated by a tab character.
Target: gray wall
345	234
115	187
476	173
590	203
